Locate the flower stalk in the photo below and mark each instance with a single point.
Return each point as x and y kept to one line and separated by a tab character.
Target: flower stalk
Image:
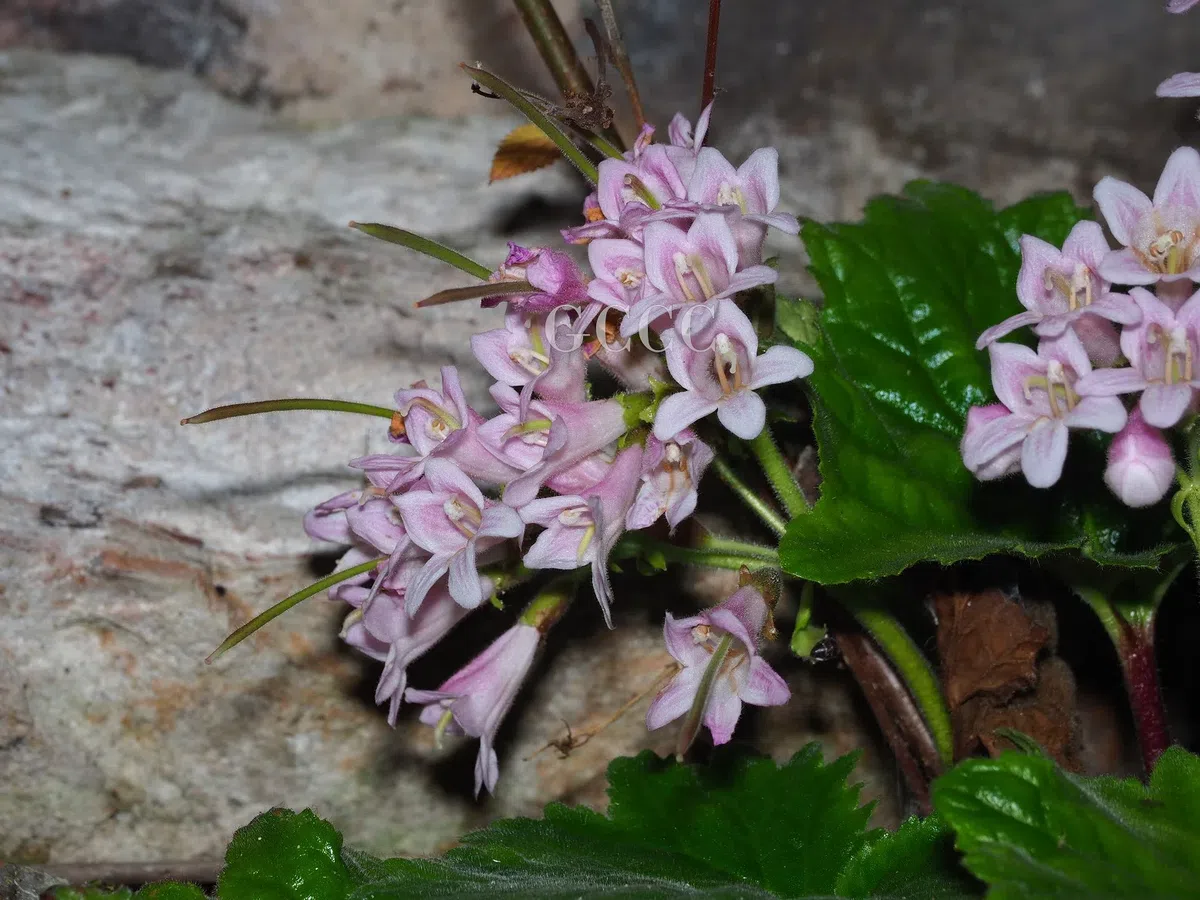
779	473
753	501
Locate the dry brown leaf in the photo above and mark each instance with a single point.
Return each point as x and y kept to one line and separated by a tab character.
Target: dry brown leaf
1000	671
524	149
988	644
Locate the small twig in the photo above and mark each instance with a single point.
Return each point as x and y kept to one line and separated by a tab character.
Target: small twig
709	87
620	58
895	711
555	47
128	874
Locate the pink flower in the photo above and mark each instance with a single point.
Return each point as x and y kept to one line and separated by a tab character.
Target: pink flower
1057	287
1180	6
406	638
693	266
744	676
1039	391
671	472
577	431
752	188
475	700
1141	468
450	519
558	280
723	376
582	530
1161	351
685	146
434	424
524	352
1159	235
616	188
619	265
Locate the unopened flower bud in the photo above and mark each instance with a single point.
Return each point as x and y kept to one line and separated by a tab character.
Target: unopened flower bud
1140	465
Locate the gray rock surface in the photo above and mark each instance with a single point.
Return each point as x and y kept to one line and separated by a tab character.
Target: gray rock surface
163	249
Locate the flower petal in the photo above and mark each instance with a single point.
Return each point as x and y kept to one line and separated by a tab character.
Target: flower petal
1163	405
780	364
1009	325
723	710
1043	453
1181	84
1123	207
763	685
744	414
675	699
1124	267
1179	183
680	410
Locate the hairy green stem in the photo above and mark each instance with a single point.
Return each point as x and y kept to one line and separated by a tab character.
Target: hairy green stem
730	555
749	497
551	128
287	603
909	662
265	406
432	248
779	473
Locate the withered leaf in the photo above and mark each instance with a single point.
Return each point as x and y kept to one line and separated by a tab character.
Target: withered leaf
524	149
1047	715
988	644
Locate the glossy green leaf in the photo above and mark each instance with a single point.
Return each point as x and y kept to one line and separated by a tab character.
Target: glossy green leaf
1031	830
284	855
742	828
907	292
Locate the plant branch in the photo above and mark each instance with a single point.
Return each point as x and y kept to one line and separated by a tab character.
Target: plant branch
894	710
1132	634
621	59
708	87
554	46
755	503
910	663
779	473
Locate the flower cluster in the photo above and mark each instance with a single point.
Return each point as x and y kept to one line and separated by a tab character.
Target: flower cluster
554	478
1082	365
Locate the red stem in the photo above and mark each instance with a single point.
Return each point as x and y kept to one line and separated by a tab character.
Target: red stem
1141	681
709	87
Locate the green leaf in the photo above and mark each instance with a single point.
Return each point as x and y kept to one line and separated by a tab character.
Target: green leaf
1030	829
283	855
899	866
907	292
744	828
